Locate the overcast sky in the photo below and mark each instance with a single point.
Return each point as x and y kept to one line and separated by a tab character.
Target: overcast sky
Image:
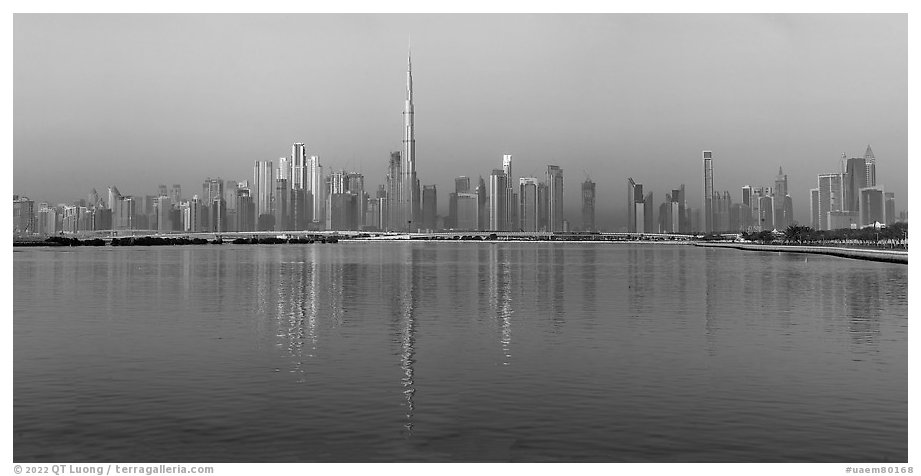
139	100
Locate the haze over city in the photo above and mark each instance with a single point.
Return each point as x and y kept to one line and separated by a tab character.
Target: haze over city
141	100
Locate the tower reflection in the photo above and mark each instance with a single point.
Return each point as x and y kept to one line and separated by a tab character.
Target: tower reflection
404	280
500	287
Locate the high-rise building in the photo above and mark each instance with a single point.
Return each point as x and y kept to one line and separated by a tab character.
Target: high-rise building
634	197
213	216
781	202
814	215
831	198
498	200
870	161
217	215
263	186
23	216
164	221
356	184
298	166
855	179
872	206
672	211
123	213
373	214
678	197
280	207
394	214
588	205
93	198
314	184
721	209
482	208
891	218
462	184
555	198
468	215
429	207
113	196
162	191
283	171
246	210
766	218
511	212
708	192
408	200
527	193
648	214
176	193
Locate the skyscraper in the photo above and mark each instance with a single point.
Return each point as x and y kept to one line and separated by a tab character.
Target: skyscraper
462	184
298	166
280	206
708	191
527	193
113	196
482	209
283	171
889	198
511	212
855	180
429	207
870	161
634	195
263	182
498	200
554	198
408	199
164	224
315	185
394	212
782	201
213	199
588	205
814	209
831	198
872	206
468	214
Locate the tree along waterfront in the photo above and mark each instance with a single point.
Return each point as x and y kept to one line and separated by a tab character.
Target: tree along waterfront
891	237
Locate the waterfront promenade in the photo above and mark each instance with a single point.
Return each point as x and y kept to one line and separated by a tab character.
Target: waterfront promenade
889	256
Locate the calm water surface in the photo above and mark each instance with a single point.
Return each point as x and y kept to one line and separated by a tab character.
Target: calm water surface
457	352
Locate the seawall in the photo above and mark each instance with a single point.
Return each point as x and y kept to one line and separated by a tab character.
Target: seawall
888	256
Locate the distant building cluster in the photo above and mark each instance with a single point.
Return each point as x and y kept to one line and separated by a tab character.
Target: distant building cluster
851	198
294	194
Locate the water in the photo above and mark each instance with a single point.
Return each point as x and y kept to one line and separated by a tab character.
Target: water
457	352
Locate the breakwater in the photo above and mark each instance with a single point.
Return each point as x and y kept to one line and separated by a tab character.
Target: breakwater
888	256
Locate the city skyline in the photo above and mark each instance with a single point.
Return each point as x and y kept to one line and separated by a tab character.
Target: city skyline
439	164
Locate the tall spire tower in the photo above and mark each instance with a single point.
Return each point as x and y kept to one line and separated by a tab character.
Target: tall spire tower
409	187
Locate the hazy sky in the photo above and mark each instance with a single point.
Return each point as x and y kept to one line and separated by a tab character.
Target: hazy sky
144	99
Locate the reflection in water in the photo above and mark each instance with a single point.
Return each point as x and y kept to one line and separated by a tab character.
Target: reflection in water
862	305
311	299
558	257
406	295
711	278
589	273
500	285
720	349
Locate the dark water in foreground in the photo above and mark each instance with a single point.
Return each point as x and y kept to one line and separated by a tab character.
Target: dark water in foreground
457	352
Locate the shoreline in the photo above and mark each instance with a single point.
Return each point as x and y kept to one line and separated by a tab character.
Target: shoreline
886	256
